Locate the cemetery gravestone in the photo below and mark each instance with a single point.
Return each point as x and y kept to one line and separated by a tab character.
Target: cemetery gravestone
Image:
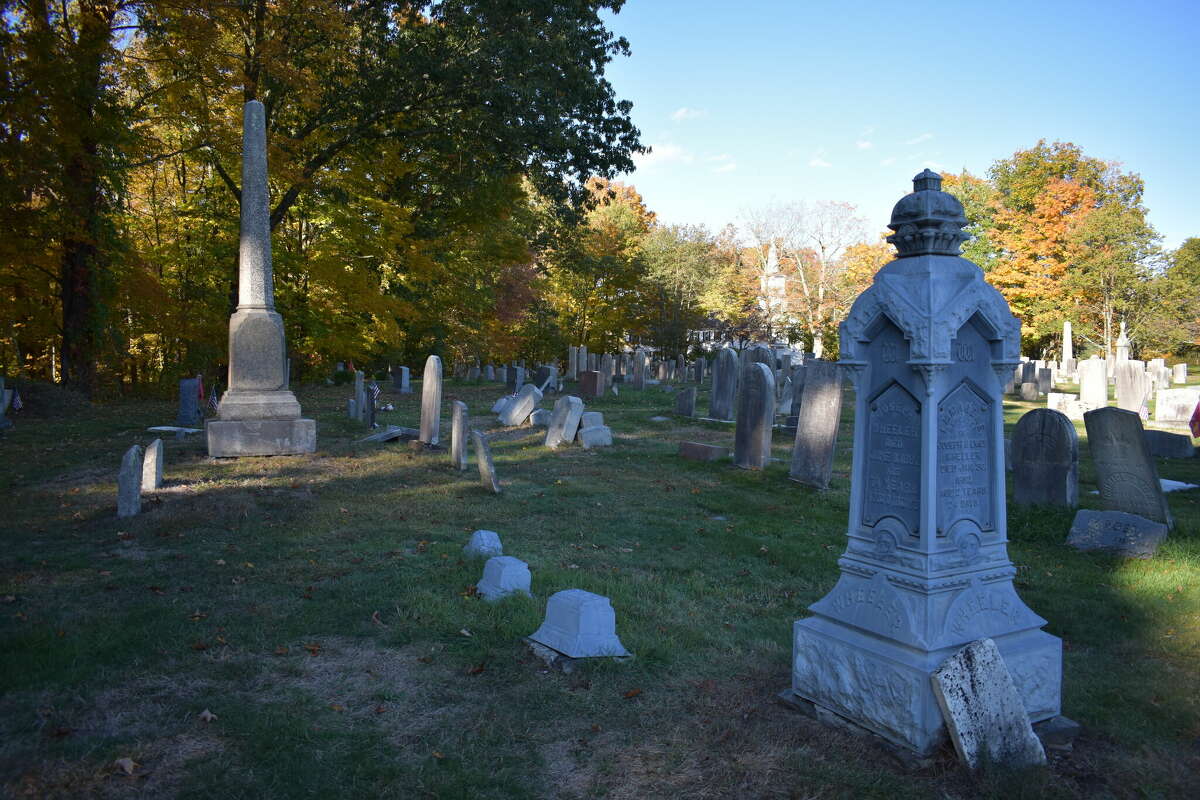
483	455
639	370
564	421
190	414
522	406
685	402
503	576
152	467
360	395
483	544
591	384
755	417
1179	373
1045	460
1174	407
431	401
1045	380
1133	385
817	425
1125	471
1169	445
725	383
1093	383
258	414
1068	345
572	362
698	451
926	570
1127	535
580	624
515	379
129	483
400	380
1029	392
458	434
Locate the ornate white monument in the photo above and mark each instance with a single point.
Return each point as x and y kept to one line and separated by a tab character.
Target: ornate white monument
926	570
258	414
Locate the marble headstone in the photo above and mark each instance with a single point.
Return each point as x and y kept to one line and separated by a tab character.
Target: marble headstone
129	483
483	544
685	402
458	434
724	385
483	455
431	401
580	624
817	425
1126	535
503	576
152	466
1125	471
1093	383
564	421
755	417
190	415
1045	460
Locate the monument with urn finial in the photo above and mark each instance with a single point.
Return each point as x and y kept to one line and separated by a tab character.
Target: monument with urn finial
926	571
258	414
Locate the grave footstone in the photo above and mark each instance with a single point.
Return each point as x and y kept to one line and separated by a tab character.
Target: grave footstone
483	544
817	425
129	483
152	466
580	624
431	401
458	434
685	402
521	406
483	455
926	569
1125	534
564	421
724	385
590	419
983	710
1125	471
503	576
595	436
190	415
1045	460
755	417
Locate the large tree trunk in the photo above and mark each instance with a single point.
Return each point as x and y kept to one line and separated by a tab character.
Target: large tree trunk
79	275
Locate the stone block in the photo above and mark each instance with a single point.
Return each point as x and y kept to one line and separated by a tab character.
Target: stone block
503	576
1169	445
698	451
540	418
595	436
129	483
483	544
1126	535
152	466
580	624
984	714
260	437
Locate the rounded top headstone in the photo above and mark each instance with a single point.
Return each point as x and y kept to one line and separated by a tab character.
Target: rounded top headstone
928	221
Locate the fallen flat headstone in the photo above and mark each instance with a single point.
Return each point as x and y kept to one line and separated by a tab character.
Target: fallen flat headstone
503	576
1124	534
660	418
483	544
697	451
580	624
391	433
540	418
984	714
173	429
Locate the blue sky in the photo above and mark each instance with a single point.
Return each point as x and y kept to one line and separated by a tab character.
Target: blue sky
768	101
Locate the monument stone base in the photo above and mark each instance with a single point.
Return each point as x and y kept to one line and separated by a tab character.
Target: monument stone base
230	438
886	688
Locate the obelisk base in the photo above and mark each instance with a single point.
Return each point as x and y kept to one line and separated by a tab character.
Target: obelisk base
230	438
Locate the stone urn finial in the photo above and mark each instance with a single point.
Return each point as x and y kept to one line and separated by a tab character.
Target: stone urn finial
928	221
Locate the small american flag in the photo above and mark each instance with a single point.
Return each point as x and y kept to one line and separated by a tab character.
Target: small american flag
375	390
213	402
16	404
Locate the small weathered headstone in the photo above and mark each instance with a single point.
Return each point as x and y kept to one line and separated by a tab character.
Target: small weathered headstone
1179	373
1045	381
400	380
540	418
458	434
564	421
685	402
591	383
755	416
1029	392
1126	535
1169	445
1045	460
595	436
515	379
431	401
521	406
591	419
483	455
698	451
503	576
129	483
1093	383
817	426
351	408
724	385
580	624
489	373
1134	386
190	413
152	466
483	544
1125	471
984	713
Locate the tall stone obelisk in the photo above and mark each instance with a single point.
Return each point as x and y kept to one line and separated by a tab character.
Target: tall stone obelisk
258	415
926	570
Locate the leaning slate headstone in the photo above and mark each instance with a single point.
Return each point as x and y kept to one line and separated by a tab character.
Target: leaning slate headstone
1125	471
458	434
983	710
431	401
755	416
1045	460
129	483
685	402
483	455
1169	445
724	385
152	466
564	421
817	425
1126	535
190	414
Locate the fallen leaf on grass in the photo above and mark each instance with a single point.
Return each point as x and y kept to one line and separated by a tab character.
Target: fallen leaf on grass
377	620
380	709
312	649
477	669
281	651
465	632
200	645
632	693
207	716
437	754
126	765
425	659
196	616
337	707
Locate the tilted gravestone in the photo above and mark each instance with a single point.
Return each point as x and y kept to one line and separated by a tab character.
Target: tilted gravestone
724	387
817	426
483	456
685	402
1169	445
152	466
1125	471
564	421
129	483
926	571
458	434
521	406
755	417
1045	460
1126	535
258	414
431	401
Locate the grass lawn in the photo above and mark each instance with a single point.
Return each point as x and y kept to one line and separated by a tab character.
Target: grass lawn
319	606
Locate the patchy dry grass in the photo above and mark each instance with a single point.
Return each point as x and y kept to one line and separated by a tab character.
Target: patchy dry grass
320	607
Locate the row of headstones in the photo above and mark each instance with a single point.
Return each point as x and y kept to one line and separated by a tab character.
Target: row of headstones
578	624
1135	382
140	472
1044	458
567	421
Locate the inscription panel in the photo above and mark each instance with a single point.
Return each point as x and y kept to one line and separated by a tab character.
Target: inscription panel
893	458
964	458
